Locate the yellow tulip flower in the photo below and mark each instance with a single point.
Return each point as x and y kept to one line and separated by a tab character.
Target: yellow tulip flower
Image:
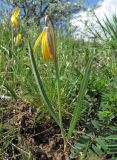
14	16
47	39
18	39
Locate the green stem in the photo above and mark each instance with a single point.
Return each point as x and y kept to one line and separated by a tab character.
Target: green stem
12	40
40	85
59	102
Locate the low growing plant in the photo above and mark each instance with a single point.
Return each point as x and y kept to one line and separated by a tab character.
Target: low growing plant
47	38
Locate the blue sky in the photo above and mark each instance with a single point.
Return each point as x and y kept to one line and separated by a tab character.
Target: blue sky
91	3
106	7
88	3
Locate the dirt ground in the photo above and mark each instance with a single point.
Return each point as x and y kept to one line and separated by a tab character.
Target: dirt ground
32	140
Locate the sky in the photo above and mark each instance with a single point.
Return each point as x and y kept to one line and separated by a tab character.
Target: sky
106	7
87	3
91	3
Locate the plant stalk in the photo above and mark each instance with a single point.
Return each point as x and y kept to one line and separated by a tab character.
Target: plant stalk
40	85
12	39
59	104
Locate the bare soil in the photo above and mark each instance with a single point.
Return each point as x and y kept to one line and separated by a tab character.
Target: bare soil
31	140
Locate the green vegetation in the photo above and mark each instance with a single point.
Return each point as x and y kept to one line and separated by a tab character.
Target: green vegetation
88	90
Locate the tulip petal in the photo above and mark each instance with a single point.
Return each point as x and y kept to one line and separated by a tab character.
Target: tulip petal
38	41
50	43
14	21
18	39
45	52
16	12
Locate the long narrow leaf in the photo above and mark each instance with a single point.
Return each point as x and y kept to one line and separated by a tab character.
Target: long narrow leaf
78	108
101	25
40	85
10	89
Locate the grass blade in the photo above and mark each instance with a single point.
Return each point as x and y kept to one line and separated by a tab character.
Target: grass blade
10	89
40	85
78	108
101	25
